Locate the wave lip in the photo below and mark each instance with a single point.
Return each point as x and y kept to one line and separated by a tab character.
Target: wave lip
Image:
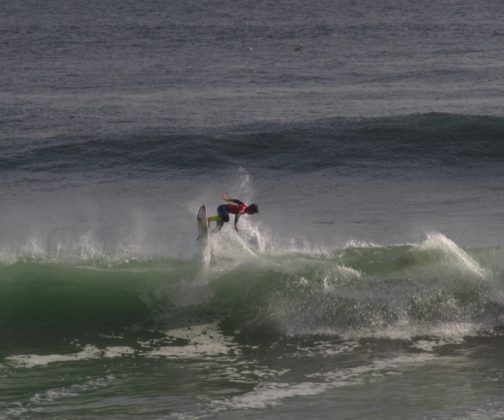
448	248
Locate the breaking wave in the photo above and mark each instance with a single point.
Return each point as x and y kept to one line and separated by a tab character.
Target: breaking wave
433	287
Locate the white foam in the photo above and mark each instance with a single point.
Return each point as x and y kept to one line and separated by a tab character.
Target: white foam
325	349
406	331
31	360
16	410
72	390
204	340
268	394
19	409
360	244
247	372
339	274
190	351
429	345
112	336
118	351
230	247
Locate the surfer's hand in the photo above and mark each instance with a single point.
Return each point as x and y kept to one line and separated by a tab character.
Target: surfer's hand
225	197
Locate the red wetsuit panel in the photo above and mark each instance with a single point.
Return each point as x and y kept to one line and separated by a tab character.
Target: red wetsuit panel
236	209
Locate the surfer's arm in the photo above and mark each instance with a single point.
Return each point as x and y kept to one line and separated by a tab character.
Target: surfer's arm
237	217
232	200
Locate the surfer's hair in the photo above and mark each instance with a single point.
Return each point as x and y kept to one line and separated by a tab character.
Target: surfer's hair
253	208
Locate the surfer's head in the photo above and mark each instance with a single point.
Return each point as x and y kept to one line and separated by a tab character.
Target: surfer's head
252	209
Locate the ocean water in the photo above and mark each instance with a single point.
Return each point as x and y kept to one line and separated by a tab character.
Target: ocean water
370	134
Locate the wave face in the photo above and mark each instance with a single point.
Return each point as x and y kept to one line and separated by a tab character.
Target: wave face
429	288
344	144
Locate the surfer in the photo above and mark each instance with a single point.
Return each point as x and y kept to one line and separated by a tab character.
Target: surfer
237	208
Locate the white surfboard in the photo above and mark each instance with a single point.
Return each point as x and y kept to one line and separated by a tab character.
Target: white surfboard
202	222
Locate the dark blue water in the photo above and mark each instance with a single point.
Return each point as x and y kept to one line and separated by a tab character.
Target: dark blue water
371	283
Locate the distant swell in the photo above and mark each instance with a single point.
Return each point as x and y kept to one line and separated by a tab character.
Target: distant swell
344	144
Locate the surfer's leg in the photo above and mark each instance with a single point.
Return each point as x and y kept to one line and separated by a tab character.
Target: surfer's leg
223	216
220	218
215	218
